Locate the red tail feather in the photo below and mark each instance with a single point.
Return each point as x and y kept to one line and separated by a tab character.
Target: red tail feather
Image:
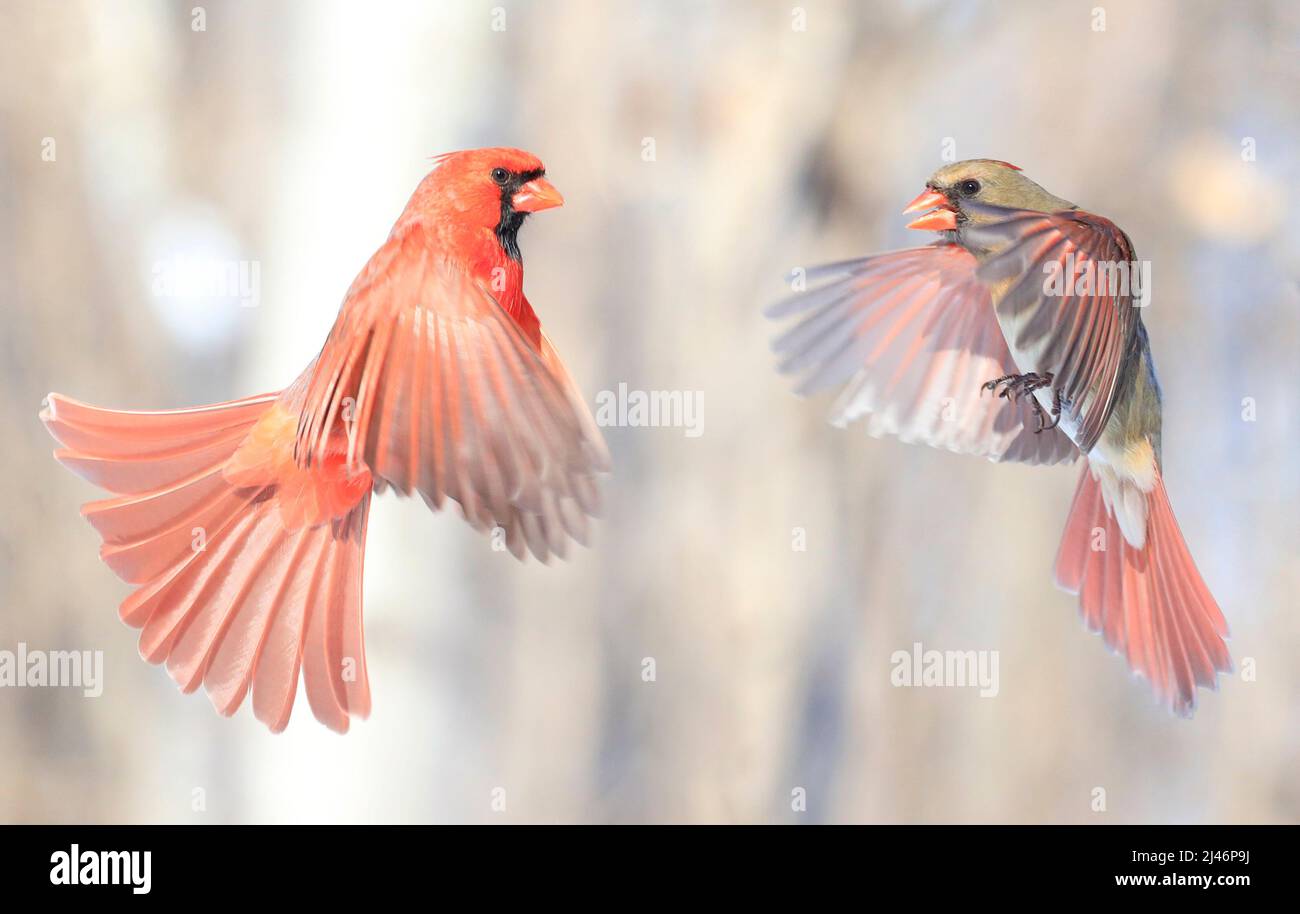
1149	603
231	596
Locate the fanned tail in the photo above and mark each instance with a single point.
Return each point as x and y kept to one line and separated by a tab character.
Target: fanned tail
229	596
1149	601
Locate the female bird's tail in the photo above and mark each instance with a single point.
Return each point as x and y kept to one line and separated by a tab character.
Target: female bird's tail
1147	600
231	595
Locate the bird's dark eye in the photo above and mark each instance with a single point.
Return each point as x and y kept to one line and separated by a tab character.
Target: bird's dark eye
500	175
968	188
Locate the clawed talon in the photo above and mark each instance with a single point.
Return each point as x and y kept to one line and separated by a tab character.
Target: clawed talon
993	385
1056	411
1014	385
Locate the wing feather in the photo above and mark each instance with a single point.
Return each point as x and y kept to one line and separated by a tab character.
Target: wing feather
1080	332
912	336
452	399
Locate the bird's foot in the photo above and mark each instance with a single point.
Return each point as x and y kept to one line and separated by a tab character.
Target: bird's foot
1012	386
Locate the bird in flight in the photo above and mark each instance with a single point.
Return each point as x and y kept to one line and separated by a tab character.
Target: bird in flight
1018	336
243	524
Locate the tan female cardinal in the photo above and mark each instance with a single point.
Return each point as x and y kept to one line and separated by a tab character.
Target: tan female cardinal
1017	336
244	523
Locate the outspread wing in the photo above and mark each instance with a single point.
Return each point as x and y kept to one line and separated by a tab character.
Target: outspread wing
1069	306
913	335
439	391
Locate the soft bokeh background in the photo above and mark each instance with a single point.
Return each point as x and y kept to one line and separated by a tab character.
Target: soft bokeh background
290	134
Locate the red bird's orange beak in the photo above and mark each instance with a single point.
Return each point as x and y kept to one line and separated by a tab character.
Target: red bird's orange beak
537	194
942	218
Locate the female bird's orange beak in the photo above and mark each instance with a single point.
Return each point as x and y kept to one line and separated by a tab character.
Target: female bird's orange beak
537	194
943	218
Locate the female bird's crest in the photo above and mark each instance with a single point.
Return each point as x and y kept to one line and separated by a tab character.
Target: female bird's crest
989	182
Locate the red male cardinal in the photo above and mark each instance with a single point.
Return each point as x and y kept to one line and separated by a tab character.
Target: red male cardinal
244	523
1030	298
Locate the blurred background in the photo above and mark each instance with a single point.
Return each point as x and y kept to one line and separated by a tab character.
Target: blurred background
705	150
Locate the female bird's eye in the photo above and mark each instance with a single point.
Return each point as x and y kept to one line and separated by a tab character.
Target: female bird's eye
968	188
499	175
